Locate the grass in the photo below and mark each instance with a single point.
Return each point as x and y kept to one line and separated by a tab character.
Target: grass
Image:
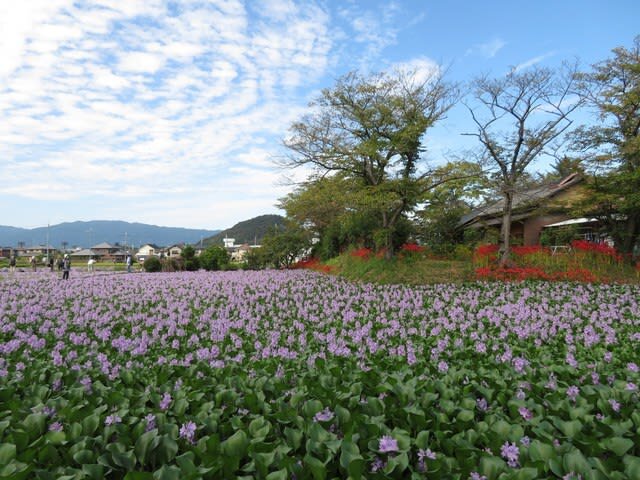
408	270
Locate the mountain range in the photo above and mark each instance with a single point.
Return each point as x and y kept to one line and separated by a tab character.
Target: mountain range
86	234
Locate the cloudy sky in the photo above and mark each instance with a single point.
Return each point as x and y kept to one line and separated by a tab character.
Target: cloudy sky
172	112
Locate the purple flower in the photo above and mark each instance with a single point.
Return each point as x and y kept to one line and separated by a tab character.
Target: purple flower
525	413
188	431
443	366
422	454
476	476
608	356
377	465
632	367
510	453
86	383
632	387
166	401
323	416
388	444
55	427
151	422
481	404
526	441
112	420
572	476
572	392
615	405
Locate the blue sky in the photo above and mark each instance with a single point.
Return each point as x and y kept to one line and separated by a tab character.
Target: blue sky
172	112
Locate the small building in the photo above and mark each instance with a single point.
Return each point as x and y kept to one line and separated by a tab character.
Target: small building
148	250
533	209
83	255
174	251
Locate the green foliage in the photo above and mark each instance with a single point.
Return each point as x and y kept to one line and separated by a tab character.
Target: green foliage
613	144
191	262
214	258
282	247
367	133
152	264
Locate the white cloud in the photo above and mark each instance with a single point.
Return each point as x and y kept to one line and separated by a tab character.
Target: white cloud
488	49
533	61
183	107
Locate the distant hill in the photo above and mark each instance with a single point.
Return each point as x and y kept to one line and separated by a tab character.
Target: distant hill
86	234
249	231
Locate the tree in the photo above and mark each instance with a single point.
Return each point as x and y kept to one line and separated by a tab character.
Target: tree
214	257
191	262
518	118
612	145
370	132
281	247
438	220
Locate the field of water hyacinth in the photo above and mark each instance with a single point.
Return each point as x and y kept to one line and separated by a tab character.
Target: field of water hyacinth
297	374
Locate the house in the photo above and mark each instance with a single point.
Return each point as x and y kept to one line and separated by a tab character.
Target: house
533	209
104	249
148	250
174	251
83	255
35	250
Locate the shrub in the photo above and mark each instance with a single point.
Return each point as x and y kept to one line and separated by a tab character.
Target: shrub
152	264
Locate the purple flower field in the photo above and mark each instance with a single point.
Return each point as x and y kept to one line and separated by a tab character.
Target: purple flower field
294	374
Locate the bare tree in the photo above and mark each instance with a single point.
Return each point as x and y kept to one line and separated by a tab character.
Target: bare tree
518	118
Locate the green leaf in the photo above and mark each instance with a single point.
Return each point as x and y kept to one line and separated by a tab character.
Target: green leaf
633	466
235	445
491	467
34	424
527	473
84	456
7	453
167	472
618	445
541	452
465	416
316	467
575	461
93	471
126	460
167	449
56	438
294	437
90	424
145	444
570	429
278	475
138	476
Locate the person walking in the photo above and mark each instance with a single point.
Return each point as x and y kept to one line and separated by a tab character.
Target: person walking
66	267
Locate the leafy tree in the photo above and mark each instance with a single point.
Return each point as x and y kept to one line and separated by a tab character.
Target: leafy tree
214	258
518	118
612	145
370	132
281	247
444	205
191	262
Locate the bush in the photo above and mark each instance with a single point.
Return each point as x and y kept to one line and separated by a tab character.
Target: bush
214	258
152	264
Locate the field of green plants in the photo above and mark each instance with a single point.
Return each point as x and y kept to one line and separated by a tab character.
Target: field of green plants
302	375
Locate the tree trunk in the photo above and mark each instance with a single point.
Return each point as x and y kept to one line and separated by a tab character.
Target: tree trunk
630	236
504	254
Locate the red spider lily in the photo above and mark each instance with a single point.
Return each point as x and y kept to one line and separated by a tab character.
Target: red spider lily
486	250
412	247
363	253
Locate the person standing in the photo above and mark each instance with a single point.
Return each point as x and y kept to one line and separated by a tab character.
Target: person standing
129	261
33	263
51	262
12	263
66	267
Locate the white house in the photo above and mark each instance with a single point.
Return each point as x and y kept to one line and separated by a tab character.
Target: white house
148	250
